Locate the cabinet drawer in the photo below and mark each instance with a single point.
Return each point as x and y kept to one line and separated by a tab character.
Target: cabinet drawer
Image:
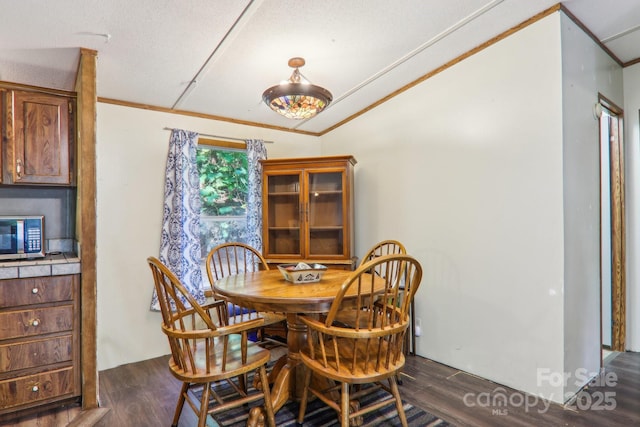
36	290
35	388
24	323
31	354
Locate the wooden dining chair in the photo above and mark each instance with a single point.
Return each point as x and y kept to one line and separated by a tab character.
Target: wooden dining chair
204	353
233	258
384	247
384	270
370	351
390	247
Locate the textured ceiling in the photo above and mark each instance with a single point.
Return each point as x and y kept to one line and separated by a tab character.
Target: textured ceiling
216	57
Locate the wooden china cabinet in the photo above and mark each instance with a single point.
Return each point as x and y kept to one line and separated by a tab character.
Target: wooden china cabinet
307	211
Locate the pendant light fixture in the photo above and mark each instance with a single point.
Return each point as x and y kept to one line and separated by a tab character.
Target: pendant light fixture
297	98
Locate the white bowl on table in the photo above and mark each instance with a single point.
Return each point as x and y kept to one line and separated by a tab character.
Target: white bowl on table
302	272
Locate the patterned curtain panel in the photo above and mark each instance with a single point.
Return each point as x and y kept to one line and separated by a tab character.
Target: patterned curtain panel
255	152
180	238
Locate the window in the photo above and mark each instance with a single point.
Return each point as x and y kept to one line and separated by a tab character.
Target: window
223	194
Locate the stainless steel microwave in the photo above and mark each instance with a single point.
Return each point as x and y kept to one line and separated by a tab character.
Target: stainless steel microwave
21	237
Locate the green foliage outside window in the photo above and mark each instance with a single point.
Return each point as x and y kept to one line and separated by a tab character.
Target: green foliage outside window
223	195
223	181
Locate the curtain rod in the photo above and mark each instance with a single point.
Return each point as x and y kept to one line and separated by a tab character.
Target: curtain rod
222	137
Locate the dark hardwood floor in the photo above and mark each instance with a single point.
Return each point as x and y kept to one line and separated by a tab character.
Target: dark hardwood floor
144	394
441	390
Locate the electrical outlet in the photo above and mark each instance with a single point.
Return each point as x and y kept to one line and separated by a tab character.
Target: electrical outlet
418	327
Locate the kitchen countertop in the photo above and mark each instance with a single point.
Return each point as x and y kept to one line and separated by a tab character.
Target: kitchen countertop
53	264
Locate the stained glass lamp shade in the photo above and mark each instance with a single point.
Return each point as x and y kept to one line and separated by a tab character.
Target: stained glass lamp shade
297	99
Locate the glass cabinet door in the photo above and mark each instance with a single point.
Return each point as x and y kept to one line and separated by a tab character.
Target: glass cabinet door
283	216
325	213
307	210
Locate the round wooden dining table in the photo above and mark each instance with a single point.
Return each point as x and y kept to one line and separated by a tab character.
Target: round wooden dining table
269	291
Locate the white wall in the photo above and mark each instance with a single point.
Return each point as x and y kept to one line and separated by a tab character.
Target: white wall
466	170
586	71
131	157
632	146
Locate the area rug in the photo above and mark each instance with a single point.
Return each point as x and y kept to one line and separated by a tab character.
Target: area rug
320	415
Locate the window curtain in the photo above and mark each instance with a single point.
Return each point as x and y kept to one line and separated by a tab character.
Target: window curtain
180	236
256	151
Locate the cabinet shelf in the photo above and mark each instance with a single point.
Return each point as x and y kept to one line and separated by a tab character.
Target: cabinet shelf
327	192
284	194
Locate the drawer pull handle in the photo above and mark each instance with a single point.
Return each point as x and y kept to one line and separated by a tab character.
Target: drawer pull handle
35	389
34	290
35	322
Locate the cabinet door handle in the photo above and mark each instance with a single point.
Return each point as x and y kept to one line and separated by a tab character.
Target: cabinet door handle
35	322
34	291
35	389
19	168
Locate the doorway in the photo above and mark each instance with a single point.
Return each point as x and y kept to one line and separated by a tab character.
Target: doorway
612	228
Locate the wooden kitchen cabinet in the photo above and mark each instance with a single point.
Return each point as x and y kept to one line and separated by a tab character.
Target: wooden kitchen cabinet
39	343
308	211
38	136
